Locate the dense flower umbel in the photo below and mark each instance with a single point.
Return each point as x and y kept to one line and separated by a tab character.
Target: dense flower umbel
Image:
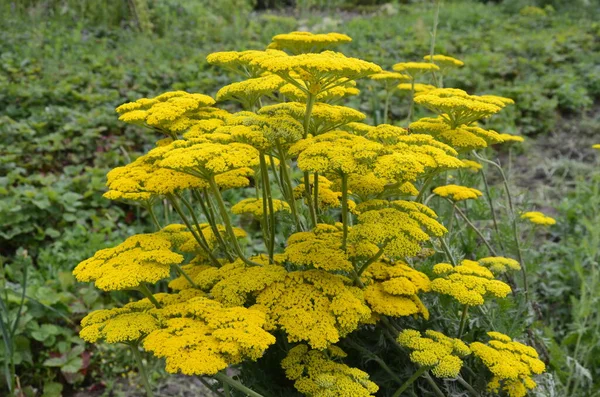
254	206
444	62
457	193
317	373
513	364
435	350
415	69
499	264
468	282
305	42
538	218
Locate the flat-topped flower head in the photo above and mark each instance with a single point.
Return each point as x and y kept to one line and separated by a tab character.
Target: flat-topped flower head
538	218
512	364
462	138
336	153
499	264
392	290
435	350
243	63
324	117
457	193
398	227
207	159
307	42
596	146
457	107
201	337
327	197
471	165
389	80
444	62
254	207
249	92
264	131
331	95
415	69
170	113
320	248
510	138
142	180
417	87
318	373
315	73
469	283
143	258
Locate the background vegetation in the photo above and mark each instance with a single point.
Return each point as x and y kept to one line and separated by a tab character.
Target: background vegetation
65	65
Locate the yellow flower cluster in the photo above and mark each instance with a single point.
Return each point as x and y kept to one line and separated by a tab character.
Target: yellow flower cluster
468	282
513	364
330	95
317	373
436	351
417	87
596	146
415	69
307	42
499	264
457	193
538	218
444	62
327	197
201	337
243	63
249	92
319	249
393	289
254	206
171	112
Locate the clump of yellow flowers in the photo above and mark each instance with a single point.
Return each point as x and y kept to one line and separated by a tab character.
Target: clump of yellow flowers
344	230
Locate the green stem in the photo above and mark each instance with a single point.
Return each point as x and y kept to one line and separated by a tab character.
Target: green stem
370	261
210	387
207	210
416	375
436	17
236	385
447	251
481	236
186	276
288	181
467	386
143	288
142	369
264	219
153	216
226	389
228	227
424	188
463	321
492	209
316	193
309	201
267	183
310	102
452	215
412	101
344	211
433	385
376	358
386	106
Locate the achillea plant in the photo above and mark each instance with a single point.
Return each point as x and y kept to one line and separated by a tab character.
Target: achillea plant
345	250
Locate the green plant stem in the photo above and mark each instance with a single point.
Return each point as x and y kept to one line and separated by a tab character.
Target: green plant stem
492	209
316	193
226	389
267	183
236	385
344	211
228	227
310	102
309	201
433	385
515	228
197	233
481	236
186	276
424	188
416	375
153	216
143	288
288	180
266	228
467	386
436	18
463	321
141	369
210	387
375	357
386	106
207	210
447	251
452	215
412	101
370	261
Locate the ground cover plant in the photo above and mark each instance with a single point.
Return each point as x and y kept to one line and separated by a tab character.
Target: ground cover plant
51	209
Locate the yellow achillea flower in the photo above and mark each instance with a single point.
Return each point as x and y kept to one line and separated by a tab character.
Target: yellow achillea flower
444	62
457	193
319	249
499	264
511	138
457	107
427	151
398	227
369	185
596	146
254	206
131	323
415	69
462	138
264	132
538	218
314	73
391	77
418	87
468	282
201	337
336	152
249	92
242	62
436	351
143	258
313	306
330	95
324	117
171	112
317	374
327	197
472	165
513	364
394	288
307	42
202	127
